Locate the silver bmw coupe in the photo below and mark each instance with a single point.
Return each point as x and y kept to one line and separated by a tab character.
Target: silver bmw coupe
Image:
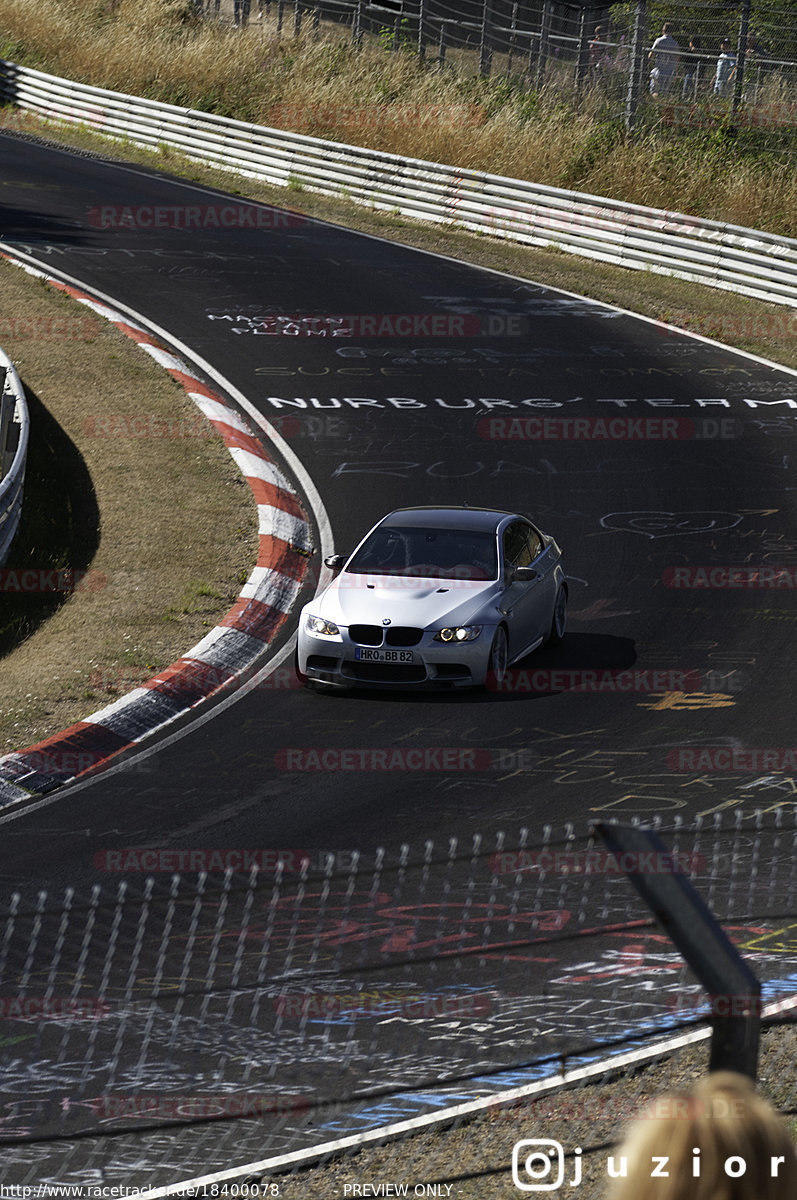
434	598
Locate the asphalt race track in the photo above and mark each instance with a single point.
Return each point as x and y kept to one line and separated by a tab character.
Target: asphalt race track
438	396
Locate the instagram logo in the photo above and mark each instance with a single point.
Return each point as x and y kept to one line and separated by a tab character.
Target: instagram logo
538	1165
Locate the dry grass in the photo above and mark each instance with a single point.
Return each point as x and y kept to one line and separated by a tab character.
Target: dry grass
395	103
109	505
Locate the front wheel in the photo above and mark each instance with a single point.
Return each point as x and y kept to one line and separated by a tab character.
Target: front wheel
559	619
499	658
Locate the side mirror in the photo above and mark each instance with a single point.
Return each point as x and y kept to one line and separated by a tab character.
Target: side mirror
335	561
522	574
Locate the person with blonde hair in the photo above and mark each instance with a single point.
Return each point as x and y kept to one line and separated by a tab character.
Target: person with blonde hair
721	1141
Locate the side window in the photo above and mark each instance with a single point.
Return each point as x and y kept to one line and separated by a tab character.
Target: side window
517	550
535	543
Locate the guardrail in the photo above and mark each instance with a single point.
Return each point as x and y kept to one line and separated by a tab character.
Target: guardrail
730	257
14	426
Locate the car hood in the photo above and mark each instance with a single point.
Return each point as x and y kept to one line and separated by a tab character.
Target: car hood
370	599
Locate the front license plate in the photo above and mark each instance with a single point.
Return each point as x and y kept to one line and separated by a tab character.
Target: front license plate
383	656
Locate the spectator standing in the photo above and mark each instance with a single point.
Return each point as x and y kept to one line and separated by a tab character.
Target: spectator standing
598	51
664	57
754	50
755	57
241	13
693	69
726	69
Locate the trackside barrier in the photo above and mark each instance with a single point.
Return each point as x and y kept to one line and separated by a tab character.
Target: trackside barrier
14	427
731	257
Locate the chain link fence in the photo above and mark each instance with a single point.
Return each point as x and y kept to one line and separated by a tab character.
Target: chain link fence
200	1009
682	65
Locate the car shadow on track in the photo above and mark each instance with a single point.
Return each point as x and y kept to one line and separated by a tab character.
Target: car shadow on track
582	662
58	535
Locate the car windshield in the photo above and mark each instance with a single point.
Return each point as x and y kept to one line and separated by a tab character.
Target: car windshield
427	553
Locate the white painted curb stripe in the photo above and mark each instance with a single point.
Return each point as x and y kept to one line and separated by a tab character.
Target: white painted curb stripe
164	359
275	522
268	593
214	642
214	411
259	468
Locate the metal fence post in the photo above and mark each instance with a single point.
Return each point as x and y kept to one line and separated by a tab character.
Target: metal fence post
357	25
534	50
582	62
486	43
636	66
441	45
512	37
741	54
545	29
733	988
297	17
421	24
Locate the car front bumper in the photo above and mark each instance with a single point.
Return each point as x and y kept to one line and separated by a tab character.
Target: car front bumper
341	662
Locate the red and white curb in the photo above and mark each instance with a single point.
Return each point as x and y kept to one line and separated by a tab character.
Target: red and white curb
255	619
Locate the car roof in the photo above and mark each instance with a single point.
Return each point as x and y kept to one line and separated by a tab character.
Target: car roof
448	517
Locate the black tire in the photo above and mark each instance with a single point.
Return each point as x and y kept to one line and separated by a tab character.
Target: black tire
559	618
499	659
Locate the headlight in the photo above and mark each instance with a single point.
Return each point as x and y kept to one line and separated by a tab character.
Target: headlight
458	633
320	625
